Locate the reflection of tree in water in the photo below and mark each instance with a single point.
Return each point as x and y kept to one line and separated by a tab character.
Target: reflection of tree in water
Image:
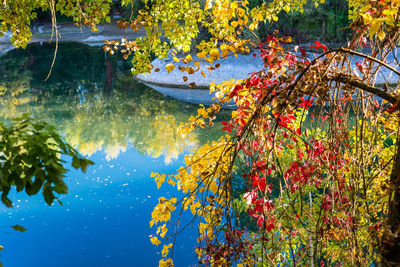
15	81
79	101
141	119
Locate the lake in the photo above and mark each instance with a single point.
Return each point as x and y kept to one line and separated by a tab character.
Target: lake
127	129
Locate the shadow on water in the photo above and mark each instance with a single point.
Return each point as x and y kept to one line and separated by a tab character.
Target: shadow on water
127	129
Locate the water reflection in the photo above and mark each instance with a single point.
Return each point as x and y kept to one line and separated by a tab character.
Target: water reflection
127	129
93	100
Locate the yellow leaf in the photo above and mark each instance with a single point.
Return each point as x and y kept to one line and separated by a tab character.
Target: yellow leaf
202	73
240	12
160	180
194	206
165	263
171	182
208	5
214	53
286	8
213	187
154	240
234	24
165	250
201	54
169	67
381	35
246	19
189	58
253	25
190	70
375	26
367	18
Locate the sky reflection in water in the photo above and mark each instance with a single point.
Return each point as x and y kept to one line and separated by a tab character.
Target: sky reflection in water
126	129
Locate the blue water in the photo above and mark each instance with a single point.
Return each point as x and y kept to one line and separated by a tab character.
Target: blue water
126	129
104	220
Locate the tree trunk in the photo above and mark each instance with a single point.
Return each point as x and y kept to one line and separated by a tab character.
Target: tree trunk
391	237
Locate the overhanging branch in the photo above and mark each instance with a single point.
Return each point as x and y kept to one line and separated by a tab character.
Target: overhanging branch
347	79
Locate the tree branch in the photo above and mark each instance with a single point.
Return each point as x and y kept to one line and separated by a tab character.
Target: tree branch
347	79
349	51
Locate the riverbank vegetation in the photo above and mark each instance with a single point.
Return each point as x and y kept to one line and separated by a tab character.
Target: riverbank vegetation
325	193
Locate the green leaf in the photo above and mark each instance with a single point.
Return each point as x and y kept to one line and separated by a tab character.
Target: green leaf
76	162
61	188
85	164
48	194
18	228
5	199
32	189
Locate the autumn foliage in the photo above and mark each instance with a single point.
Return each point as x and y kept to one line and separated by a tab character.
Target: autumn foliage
307	171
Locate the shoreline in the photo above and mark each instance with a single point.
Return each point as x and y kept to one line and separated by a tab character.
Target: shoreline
173	83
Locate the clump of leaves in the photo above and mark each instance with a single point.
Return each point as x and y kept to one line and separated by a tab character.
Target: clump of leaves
30	159
18	228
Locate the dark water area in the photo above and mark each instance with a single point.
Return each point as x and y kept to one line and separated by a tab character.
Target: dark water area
127	129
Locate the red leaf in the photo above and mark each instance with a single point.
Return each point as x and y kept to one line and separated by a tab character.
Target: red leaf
261	164
270	227
235	90
376	103
303	52
392	108
319	45
360	67
285	134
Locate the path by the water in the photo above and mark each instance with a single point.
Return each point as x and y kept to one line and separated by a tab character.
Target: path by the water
173	85
71	33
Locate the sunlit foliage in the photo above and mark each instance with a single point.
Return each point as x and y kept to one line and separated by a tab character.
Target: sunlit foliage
16	15
312	144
